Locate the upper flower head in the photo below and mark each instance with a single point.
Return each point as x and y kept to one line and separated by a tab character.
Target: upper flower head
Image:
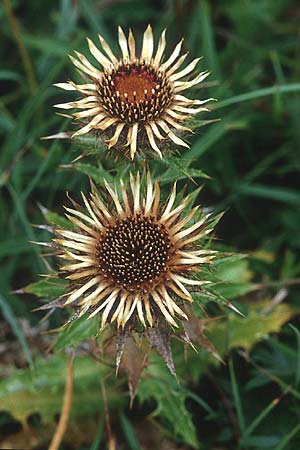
131	258
134	95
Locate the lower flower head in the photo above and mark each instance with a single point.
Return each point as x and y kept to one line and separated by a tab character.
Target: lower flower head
132	258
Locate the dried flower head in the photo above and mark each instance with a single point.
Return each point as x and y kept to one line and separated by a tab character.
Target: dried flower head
133	95
131	258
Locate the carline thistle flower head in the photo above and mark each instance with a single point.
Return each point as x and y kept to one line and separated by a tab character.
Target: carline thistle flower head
133	98
130	258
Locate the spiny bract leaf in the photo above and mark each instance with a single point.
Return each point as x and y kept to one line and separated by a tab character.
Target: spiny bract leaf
231	277
55	219
97	174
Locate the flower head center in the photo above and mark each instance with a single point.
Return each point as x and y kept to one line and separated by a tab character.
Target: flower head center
134	86
135	92
134	252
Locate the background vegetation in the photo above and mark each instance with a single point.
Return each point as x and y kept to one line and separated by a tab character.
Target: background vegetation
252	159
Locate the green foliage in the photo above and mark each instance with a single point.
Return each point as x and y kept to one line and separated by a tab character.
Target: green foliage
97	174
247	331
57	220
233	333
47	288
73	334
129	433
170	402
11	319
41	390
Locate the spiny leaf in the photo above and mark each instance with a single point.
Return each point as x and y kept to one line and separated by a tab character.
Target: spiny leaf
73	334
158	384
247	331
45	288
26	392
178	169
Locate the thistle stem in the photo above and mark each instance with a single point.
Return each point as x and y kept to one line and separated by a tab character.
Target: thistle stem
111	440
66	407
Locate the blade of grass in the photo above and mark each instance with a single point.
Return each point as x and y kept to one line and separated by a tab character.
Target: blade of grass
98	439
280	194
282	384
94	20
25	58
20	134
11	319
10	75
49	46
21	214
200	401
258	93
129	433
267	163
288	438
207	35
43	167
14	246
236	397
297	333
256	422
68	18
215	133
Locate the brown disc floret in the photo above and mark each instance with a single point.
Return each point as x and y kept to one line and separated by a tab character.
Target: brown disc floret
135	92
134	252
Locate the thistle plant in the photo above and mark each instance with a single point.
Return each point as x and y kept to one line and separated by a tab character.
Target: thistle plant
131	255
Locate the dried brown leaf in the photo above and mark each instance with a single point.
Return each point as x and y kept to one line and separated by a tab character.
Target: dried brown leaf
194	332
160	340
133	362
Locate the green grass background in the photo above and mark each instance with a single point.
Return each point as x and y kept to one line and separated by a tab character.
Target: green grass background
252	156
